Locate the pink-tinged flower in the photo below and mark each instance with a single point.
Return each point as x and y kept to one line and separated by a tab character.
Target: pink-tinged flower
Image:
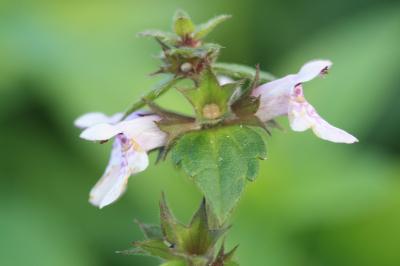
133	138
285	97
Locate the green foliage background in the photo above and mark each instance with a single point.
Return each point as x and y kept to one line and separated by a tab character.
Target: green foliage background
314	203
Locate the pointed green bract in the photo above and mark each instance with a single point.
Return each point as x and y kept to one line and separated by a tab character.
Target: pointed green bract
219	160
163	36
210	94
204	29
200	238
183	25
172	230
178	244
196	238
150	231
155	248
225	259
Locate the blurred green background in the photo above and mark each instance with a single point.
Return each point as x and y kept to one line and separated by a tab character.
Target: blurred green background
314	203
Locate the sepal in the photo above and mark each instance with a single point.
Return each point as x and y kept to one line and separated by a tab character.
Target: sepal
245	104
150	231
174	125
204	29
166	37
225	258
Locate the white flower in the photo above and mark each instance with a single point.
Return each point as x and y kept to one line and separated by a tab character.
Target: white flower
133	138
285	97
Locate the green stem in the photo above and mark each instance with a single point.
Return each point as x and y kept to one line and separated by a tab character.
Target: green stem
152	95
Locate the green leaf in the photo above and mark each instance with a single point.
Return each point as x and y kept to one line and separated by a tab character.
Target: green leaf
240	72
204	29
183	25
220	160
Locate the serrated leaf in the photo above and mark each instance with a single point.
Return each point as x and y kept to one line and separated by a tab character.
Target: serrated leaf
237	71
220	160
204	29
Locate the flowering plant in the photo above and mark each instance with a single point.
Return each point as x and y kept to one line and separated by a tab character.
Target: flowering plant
219	146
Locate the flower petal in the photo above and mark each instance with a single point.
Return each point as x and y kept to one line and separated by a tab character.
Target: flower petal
126	159
274	97
91	119
142	129
303	116
312	69
100	132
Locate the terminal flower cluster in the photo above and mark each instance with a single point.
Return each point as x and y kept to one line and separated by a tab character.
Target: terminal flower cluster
218	146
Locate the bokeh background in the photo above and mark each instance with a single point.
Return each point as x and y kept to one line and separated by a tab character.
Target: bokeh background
315	203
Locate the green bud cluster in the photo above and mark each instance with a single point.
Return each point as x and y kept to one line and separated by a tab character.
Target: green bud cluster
183	51
183	245
185	56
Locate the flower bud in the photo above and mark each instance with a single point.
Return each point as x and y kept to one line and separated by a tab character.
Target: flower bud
186	67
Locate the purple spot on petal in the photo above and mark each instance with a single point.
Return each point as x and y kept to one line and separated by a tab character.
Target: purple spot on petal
122	138
324	71
298	90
